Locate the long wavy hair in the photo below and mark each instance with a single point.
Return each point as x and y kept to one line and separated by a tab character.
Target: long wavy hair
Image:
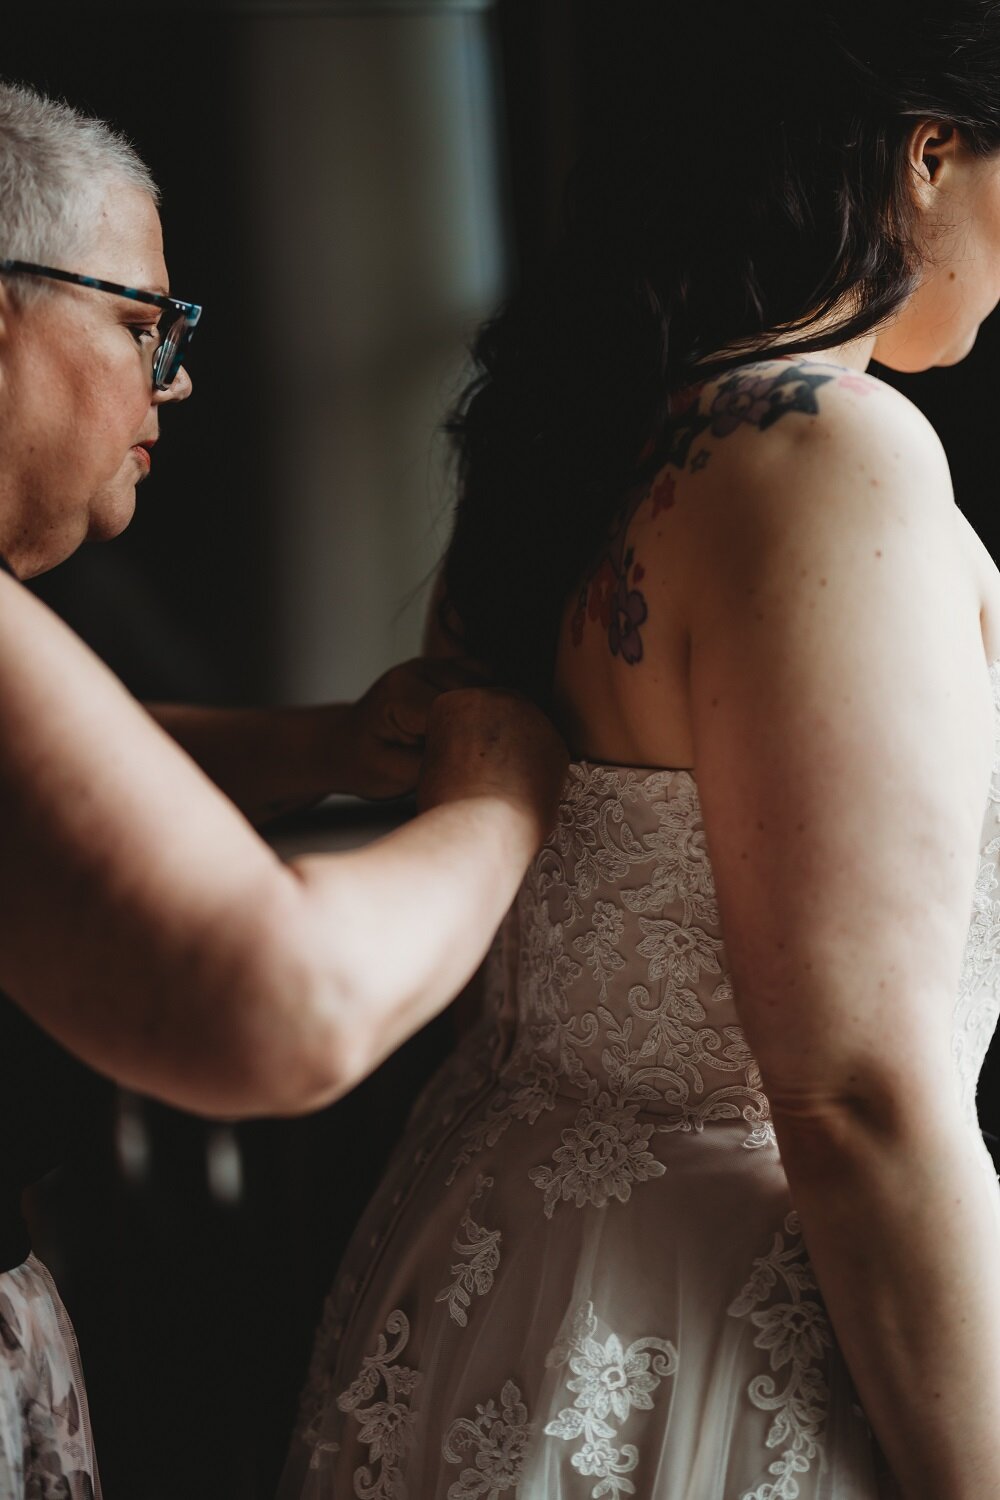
745	180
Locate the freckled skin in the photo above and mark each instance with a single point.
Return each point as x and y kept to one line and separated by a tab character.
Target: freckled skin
610	591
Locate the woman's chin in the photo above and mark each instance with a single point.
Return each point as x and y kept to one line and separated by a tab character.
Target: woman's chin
911	359
112	504
111	513
955	355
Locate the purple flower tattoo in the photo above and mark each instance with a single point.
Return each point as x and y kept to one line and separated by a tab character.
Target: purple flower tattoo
760	400
628	612
742	399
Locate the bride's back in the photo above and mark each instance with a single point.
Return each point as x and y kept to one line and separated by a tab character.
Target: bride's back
623	667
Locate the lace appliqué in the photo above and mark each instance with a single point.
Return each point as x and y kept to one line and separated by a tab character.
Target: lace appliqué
386	1426
524	1098
602	1155
481	1250
499	1437
608	1381
796	1331
645	1058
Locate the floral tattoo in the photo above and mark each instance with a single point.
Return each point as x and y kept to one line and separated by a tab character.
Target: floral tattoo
608	596
610	593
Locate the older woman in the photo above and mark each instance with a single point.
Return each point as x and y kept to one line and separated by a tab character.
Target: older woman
143	923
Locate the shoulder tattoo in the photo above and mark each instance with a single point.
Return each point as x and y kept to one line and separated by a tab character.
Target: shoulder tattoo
610	593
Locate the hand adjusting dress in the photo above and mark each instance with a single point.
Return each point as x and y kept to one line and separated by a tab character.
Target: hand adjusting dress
582	1275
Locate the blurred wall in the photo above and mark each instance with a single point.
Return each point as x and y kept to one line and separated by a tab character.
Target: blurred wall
370	175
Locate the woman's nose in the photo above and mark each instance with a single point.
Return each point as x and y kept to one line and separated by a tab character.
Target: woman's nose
179	389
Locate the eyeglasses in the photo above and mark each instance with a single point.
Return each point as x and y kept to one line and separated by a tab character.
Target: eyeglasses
169	353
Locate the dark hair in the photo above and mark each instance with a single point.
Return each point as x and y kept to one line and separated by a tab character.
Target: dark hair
747	177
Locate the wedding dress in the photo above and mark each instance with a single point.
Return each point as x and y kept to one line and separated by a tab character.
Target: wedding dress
582	1275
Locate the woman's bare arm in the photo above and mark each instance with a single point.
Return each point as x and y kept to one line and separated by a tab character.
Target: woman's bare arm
147	927
842	723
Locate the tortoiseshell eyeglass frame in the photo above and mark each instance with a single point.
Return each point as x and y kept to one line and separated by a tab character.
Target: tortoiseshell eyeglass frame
169	355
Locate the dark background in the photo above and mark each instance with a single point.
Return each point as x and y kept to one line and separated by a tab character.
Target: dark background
194	1315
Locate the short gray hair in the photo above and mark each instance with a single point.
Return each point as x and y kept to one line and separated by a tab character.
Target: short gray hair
55	165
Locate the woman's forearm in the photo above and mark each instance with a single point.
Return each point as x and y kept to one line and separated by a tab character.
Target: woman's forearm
415	913
268	761
312	973
902	1225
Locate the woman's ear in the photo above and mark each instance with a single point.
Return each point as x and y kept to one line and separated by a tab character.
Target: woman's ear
932	151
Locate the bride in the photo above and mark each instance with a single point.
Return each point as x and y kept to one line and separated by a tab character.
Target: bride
701	1210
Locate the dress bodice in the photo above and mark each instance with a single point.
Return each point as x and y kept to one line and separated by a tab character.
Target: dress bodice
621	992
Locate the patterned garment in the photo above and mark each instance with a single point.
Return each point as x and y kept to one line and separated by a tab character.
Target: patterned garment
46	1448
582	1277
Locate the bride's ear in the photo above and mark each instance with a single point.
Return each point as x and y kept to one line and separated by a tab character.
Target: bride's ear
443	632
933	157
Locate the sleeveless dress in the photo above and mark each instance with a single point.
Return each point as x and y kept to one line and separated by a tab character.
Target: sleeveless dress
582	1276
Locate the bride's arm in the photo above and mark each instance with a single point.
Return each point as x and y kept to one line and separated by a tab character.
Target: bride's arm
842	723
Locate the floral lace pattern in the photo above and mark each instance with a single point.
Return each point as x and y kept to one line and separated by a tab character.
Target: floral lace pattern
978	1005
499	1438
480	1250
612	1066
609	1381
386	1426
662	1055
796	1332
602	1154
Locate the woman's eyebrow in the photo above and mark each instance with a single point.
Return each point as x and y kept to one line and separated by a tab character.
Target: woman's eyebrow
136	304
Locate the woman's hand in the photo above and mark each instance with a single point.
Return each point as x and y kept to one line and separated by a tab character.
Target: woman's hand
273	761
382	738
485	742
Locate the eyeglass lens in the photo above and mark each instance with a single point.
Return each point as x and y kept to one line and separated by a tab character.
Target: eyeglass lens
166	361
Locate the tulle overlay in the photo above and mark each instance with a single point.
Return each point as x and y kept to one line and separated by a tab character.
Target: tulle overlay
46	1448
582	1275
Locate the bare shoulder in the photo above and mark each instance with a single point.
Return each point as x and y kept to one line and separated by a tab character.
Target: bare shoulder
785	454
799	509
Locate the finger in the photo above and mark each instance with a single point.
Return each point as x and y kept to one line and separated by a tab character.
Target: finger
414	688
399	772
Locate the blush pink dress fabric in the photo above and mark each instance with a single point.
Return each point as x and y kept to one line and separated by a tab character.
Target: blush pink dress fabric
583	1276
